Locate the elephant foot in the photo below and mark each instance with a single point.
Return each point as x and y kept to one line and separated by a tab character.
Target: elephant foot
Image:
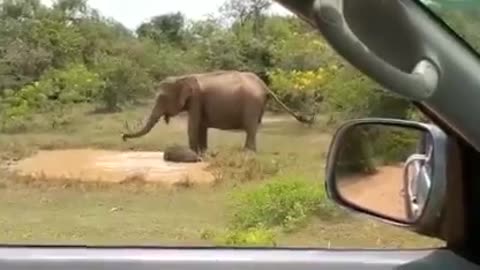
250	150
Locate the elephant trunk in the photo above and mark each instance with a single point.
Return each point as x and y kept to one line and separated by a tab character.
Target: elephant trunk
152	120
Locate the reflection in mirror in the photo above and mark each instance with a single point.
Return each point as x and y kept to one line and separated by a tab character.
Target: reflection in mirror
385	169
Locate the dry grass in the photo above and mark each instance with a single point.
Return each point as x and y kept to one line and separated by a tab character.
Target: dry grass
134	212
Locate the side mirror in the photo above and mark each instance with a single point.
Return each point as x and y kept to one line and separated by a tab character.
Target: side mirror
393	170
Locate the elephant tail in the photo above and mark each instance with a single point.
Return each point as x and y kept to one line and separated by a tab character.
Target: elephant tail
300	118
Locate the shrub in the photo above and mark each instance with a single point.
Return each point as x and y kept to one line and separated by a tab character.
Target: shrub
158	60
125	82
356	154
248	237
301	90
236	165
300	49
14	113
64	41
394	145
52	94
367	147
284	202
350	94
74	84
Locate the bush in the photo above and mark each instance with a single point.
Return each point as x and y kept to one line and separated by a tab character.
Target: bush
301	90
52	94
158	60
356	154
64	41
74	84
221	50
248	237
367	147
284	202
394	145
125	82
14	113
296	48
240	166
350	94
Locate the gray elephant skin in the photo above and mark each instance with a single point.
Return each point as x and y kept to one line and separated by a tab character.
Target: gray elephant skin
225	100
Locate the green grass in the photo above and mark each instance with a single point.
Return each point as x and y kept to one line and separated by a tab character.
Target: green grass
41	212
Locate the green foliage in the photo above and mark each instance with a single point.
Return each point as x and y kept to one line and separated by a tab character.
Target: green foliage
219	48
249	12
235	165
314	52
248	237
364	148
57	36
125	82
74	84
394	145
56	90
72	43
356	153
352	95
284	202
302	90
164	28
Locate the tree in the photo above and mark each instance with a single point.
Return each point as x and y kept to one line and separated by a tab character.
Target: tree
167	27
71	9
241	11
20	9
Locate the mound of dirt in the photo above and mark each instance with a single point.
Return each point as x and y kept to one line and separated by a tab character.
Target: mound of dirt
110	166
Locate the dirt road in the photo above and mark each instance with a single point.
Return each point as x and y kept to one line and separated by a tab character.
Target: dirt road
381	192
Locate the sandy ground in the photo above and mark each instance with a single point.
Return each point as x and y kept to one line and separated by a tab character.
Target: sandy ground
110	166
380	192
115	166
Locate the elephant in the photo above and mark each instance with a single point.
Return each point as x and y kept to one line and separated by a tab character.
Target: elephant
224	100
179	153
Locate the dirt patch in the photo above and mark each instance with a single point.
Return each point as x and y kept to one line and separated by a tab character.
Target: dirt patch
111	166
381	192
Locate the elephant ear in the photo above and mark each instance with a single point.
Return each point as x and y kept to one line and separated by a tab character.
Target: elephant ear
188	86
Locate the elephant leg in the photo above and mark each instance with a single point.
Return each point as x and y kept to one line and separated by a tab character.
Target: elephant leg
251	121
251	138
203	139
194	120
193	136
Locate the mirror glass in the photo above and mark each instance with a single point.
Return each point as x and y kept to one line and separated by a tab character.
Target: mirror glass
385	169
